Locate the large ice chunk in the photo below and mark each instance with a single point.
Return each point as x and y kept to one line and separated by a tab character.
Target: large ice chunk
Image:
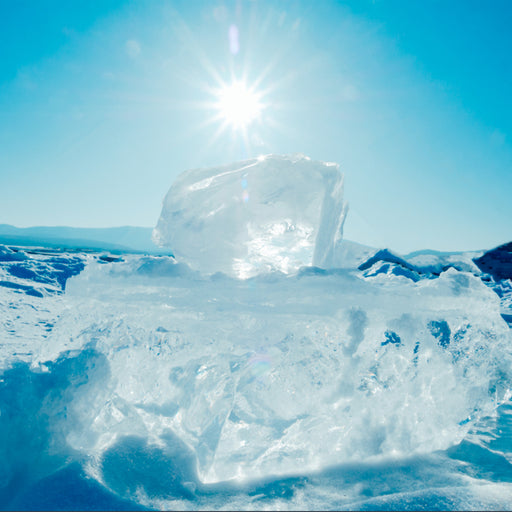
269	213
280	374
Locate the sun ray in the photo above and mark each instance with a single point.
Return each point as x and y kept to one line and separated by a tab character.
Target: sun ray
241	95
189	40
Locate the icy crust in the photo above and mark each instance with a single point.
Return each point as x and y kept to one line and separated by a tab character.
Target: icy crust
264	214
32	283
278	374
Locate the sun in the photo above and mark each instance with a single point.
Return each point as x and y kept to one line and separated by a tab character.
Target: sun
238	105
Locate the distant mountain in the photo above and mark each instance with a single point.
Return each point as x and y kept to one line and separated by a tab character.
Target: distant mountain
119	239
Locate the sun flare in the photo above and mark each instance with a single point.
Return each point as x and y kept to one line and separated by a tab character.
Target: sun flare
238	104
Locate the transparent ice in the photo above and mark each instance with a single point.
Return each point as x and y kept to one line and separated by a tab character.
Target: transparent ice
269	213
277	374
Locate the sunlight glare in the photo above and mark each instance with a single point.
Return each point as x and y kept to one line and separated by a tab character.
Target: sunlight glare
238	104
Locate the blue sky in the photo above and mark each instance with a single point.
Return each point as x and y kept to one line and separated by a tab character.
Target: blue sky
104	102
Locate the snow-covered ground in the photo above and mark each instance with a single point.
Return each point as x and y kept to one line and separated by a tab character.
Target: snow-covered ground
377	381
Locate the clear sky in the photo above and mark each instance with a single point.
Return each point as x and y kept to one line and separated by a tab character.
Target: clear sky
104	102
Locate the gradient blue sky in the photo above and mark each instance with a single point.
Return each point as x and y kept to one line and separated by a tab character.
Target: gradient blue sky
104	102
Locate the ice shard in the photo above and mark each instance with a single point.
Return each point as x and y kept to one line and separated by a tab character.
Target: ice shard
265	214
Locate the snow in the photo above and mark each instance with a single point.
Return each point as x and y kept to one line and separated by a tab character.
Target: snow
269	213
436	262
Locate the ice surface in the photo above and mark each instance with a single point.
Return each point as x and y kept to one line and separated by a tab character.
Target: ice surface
279	374
26	277
269	213
497	266
497	262
318	389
